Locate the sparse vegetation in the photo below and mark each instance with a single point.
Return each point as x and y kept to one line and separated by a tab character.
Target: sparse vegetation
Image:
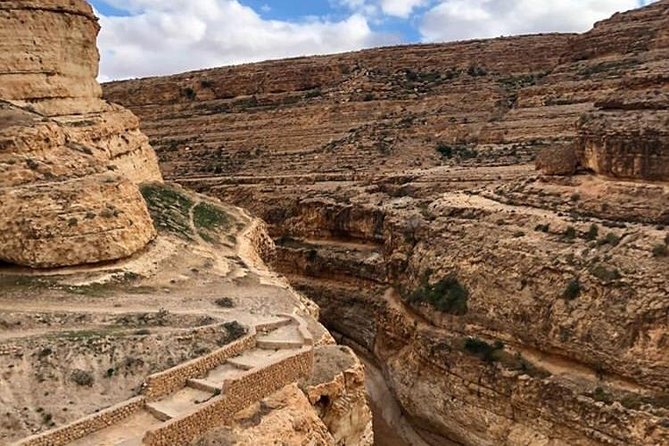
605	273
486	352
189	93
315	93
169	208
660	250
461	151
569	233
599	394
82	378
609	239
208	216
592	233
447	295
542	228
573	290
476	71
225	302
233	331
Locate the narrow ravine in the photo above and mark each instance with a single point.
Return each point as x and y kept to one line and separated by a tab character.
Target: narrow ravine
391	428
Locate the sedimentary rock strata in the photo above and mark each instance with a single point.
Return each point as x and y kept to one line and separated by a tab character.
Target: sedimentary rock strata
69	161
504	306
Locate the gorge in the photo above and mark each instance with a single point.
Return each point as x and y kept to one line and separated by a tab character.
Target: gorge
503	306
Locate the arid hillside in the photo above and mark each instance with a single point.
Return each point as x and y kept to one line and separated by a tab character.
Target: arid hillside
504	306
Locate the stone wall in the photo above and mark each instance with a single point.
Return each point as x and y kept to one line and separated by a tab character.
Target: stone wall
86	426
238	394
164	383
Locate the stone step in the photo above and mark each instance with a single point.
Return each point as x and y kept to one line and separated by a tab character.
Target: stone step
130	442
259	358
278	344
204	384
286	337
184	401
274	324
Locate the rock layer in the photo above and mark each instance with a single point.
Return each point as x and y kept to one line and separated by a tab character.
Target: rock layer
69	162
503	306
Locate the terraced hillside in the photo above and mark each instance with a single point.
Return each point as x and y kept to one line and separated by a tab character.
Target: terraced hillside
501	304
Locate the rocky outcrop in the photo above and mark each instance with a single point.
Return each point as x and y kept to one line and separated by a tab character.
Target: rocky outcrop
503	306
69	162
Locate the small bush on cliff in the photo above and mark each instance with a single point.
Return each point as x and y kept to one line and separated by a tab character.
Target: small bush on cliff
609	239
487	352
592	232
573	290
189	93
447	295
233	331
82	378
660	250
605	274
225	302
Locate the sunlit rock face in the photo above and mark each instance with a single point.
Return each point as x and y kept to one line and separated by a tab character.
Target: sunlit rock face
69	161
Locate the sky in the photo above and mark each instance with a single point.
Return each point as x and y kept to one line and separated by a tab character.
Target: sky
142	38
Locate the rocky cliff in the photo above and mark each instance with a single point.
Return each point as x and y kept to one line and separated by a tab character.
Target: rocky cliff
69	161
503	306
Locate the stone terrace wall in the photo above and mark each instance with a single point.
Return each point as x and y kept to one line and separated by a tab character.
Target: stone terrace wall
169	381
238	394
86	426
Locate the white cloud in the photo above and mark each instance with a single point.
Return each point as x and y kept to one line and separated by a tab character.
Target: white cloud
164	37
394	8
466	19
401	8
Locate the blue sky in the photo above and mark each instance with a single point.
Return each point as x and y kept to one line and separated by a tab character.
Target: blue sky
155	37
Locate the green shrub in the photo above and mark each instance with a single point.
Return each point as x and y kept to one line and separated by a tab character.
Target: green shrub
604	273
542	228
488	353
444	150
208	216
314	94
609	239
593	232
232	331
476	71
189	93
82	378
447	295
225	302
660	250
570	233
602	395
573	290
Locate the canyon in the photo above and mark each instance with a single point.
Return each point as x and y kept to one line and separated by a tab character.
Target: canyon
134	311
484	222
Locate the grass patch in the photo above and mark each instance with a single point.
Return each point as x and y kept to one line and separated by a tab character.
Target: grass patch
209	219
169	208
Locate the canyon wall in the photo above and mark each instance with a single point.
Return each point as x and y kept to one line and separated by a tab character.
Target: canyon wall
503	306
69	161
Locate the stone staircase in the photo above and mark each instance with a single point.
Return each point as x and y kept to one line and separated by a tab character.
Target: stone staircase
272	355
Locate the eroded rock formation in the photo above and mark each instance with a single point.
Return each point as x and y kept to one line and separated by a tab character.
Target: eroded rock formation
503	306
69	161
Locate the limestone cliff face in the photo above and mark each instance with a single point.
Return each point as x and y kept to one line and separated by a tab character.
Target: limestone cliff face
69	161
504	307
627	136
